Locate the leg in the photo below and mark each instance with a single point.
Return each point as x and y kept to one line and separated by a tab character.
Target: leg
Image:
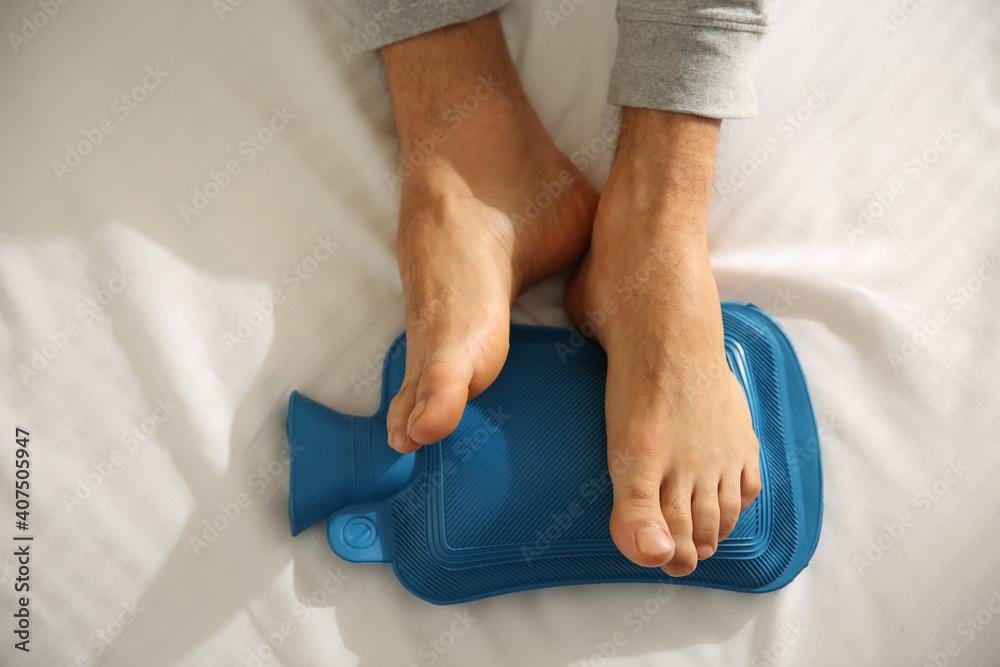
490	208
675	413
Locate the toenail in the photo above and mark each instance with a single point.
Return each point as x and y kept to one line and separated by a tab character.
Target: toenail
398	442
705	550
653	541
418	409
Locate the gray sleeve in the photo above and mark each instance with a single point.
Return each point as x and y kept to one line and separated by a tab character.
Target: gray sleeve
691	56
380	22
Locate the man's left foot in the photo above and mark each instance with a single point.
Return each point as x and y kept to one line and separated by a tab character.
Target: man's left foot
681	447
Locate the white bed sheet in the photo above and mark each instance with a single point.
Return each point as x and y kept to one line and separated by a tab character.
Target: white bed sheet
145	353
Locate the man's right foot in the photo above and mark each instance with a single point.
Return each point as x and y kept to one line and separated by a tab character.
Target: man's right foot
492	208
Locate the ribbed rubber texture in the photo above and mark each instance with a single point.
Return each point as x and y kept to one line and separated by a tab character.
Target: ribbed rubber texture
519	495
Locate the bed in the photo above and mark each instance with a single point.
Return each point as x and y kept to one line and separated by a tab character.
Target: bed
196	219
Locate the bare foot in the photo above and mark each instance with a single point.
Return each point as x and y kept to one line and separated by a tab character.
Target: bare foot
491	208
675	412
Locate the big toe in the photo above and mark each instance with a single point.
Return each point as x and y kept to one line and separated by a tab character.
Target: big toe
439	401
637	525
448	372
431	401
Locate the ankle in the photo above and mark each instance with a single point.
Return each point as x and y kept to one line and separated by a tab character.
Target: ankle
664	169
669	142
439	79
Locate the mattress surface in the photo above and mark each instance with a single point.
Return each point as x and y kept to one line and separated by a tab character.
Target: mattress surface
196	217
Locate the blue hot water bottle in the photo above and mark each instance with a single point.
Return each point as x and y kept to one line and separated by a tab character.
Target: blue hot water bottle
519	496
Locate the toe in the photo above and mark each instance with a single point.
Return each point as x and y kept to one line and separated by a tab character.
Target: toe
399	411
705	518
730	504
677	511
749	484
637	525
439	398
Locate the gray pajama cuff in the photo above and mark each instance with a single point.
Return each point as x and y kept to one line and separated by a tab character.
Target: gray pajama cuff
383	22
690	56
